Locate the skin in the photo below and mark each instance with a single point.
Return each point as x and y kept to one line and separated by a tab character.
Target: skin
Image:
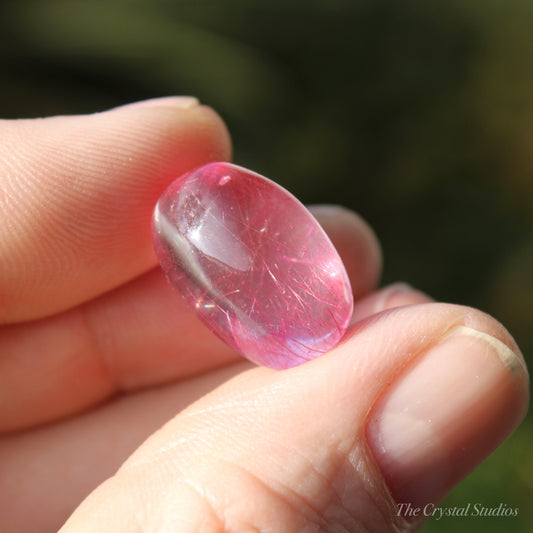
115	396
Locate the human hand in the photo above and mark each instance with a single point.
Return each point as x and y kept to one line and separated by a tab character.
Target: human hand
416	395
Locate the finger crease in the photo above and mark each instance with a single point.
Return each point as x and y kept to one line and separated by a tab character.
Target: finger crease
100	347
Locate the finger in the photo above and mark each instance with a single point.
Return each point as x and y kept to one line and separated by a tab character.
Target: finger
78	194
141	334
356	243
412	401
58	465
395	295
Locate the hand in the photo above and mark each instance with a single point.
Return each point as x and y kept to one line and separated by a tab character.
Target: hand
96	345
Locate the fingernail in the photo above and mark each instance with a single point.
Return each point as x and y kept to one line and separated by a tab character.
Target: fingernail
390	294
327	210
396	295
445	414
182	102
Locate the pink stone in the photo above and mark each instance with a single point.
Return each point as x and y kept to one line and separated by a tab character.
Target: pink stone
253	263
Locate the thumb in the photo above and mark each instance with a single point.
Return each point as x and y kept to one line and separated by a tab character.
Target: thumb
412	401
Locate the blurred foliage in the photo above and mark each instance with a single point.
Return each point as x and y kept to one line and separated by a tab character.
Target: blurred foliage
417	114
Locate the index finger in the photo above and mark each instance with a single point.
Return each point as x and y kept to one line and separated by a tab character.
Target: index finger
77	196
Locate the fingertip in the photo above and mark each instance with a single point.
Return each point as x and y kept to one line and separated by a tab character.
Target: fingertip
395	295
445	414
173	109
448	386
215	123
356	243
83	194
183	102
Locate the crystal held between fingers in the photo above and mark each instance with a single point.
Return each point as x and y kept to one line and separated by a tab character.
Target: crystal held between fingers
253	263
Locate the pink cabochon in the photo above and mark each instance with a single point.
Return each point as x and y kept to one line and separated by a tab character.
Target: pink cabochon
253	263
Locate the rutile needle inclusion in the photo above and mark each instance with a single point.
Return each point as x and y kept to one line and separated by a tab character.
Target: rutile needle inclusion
253	263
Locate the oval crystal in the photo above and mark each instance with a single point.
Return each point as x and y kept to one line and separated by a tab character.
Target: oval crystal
254	264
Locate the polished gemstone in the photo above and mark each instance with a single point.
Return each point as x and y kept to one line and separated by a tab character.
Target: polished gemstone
253	263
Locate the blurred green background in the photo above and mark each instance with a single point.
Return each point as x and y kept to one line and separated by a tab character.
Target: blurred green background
417	114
